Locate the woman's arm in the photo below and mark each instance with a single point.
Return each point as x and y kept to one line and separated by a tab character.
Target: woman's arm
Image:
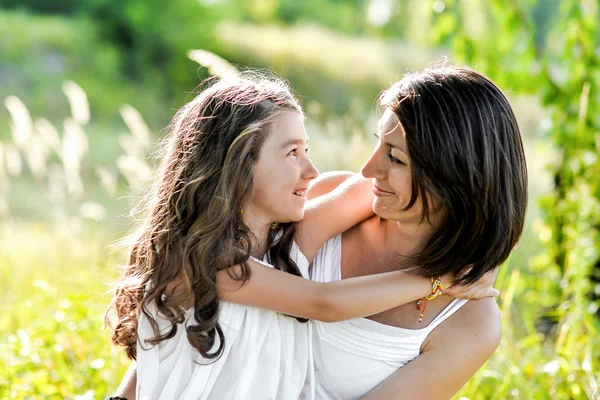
452	354
279	291
334	212
127	387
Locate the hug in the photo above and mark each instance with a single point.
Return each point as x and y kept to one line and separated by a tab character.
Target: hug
252	277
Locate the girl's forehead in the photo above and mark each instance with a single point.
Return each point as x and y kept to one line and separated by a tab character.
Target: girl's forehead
286	129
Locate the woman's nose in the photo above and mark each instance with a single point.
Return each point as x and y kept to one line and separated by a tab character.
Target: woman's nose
373	167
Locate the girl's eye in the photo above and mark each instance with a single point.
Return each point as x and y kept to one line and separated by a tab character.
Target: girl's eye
295	152
394	160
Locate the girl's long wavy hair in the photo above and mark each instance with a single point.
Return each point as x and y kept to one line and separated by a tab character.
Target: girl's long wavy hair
193	226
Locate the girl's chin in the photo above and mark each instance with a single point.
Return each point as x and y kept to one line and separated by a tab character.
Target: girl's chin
292	216
297	217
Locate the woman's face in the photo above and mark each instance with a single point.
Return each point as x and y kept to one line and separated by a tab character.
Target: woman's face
282	173
389	166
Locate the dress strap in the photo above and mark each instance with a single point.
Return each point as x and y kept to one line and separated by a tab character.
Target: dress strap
326	266
447	312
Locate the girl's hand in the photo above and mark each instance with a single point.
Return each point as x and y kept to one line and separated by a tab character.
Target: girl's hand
478	290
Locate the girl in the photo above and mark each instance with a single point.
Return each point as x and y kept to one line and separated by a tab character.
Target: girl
221	223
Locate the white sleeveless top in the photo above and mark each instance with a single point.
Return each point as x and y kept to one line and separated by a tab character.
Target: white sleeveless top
352	357
267	356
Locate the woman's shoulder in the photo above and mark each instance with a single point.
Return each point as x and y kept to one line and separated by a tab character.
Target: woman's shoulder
476	327
484	315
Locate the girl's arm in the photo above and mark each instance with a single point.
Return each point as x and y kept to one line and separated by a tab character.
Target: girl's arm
279	291
334	212
452	354
326	182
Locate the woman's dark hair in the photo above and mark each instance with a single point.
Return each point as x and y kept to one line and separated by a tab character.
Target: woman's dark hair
193	227
465	150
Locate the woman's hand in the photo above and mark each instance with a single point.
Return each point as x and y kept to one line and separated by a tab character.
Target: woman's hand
478	290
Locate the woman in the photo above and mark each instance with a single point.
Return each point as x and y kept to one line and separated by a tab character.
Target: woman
450	181
233	180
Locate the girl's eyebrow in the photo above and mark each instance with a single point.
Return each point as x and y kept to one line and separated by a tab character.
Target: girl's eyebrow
293	141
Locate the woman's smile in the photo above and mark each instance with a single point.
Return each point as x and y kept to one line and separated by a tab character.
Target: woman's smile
381	193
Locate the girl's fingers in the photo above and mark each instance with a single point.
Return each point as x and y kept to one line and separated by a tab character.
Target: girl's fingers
472	292
491	292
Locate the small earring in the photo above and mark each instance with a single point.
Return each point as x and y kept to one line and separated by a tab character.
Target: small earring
274	225
242	210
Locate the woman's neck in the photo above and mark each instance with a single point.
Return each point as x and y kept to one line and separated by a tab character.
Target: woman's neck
391	239
411	237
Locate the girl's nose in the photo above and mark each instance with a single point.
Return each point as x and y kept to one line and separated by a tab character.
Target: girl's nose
309	172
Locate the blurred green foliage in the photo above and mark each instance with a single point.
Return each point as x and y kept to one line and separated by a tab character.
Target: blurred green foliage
338	55
565	76
39	53
147	40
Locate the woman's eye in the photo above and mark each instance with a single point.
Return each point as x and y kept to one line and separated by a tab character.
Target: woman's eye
293	152
394	160
307	150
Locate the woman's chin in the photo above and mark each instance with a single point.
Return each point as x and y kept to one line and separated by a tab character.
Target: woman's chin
385	211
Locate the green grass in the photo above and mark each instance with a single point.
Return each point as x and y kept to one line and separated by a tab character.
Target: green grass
53	287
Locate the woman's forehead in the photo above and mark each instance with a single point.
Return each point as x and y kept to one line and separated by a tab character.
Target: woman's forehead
389	124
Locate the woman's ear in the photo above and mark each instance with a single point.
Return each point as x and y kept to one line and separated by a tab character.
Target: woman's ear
464	271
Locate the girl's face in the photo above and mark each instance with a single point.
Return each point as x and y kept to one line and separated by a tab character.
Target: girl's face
282	173
389	166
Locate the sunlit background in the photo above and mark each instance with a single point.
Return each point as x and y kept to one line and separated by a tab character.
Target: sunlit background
88	86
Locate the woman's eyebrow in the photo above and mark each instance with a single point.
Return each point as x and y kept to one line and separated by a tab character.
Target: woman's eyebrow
390	130
395	146
391	144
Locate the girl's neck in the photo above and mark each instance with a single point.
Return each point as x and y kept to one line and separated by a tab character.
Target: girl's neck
259	235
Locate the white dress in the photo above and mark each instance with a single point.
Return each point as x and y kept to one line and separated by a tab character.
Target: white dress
352	357
267	356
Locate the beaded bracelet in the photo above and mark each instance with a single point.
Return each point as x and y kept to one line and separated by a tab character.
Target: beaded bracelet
436	290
